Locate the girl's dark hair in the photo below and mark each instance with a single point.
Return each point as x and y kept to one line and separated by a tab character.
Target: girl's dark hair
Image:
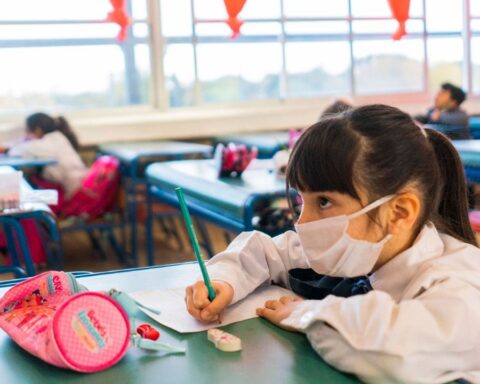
48	124
381	149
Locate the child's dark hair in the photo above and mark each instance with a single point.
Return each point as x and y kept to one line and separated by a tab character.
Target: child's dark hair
456	93
337	106
380	148
48	124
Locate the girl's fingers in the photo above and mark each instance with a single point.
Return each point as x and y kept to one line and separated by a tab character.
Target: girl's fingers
200	295
273	304
192	310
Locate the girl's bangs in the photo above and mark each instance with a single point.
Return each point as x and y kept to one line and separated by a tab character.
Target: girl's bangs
324	157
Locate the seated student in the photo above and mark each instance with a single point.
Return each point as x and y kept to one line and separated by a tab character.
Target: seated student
52	138
446	109
384	204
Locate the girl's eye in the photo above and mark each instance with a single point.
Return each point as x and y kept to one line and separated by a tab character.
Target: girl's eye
324	203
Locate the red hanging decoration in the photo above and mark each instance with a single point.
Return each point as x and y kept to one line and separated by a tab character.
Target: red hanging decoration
234	7
119	16
400	10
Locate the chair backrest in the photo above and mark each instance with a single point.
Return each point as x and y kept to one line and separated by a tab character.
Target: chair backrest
98	192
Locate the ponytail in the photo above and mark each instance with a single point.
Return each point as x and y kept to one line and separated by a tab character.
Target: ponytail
62	125
48	124
452	216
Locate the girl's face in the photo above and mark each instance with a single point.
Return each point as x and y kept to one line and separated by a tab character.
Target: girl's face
322	205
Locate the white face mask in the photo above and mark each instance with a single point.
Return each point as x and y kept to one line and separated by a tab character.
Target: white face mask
331	251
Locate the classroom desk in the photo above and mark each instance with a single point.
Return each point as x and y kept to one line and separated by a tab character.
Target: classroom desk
269	355
134	157
230	203
40	213
267	143
454	132
474	126
21	162
469	151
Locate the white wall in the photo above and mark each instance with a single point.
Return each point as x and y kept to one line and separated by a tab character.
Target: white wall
146	124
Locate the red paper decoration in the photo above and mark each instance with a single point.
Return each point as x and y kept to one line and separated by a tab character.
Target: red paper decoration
399	10
234	7
119	16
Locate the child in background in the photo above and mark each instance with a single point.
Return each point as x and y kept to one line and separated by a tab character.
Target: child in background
52	138
384	201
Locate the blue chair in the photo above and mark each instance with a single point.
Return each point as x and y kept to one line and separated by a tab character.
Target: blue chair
474	125
17	248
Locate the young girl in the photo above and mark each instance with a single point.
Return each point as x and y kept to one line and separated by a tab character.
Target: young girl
53	139
384	199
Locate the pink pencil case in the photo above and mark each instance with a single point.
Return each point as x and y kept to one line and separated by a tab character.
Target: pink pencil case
58	320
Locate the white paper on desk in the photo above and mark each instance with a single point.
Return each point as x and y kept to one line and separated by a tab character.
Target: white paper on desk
173	312
45	196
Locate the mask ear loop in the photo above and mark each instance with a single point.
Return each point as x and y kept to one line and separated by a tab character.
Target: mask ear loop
371	206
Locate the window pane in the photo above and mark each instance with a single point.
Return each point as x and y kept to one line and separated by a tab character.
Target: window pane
62	78
445	57
387	66
180	74
54	10
140	30
316	27
58	31
370	8
444	15
475	8
476	64
380	8
385	26
318	68
263	9
139	9
248	29
309	8
176	18
215	9
232	72
142	65
475	25
210	9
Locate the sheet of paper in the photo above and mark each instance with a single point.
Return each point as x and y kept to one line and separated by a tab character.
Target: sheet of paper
173	313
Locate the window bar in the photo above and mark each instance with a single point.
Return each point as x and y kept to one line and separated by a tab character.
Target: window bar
283	76
197	86
350	42
159	95
131	73
425	48
467	48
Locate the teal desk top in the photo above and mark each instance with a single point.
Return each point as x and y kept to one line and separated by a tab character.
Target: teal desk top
229	196
21	162
128	152
267	143
469	151
270	355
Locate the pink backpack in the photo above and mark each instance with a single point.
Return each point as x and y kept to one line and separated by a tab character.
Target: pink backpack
56	319
98	191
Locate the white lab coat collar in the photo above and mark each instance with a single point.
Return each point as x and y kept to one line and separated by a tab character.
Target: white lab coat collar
395	275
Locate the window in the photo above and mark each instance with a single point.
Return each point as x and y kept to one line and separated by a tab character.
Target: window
60	55
290	49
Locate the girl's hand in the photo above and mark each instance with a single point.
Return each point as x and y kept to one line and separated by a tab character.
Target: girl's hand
277	310
200	307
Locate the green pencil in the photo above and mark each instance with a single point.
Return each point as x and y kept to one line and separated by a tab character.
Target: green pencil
195	244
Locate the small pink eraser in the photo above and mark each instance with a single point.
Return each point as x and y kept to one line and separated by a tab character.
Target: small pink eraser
224	341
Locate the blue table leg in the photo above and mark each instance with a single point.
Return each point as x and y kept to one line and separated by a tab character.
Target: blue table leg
150	250
14	232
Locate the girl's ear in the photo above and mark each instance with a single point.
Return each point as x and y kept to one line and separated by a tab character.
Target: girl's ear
404	211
